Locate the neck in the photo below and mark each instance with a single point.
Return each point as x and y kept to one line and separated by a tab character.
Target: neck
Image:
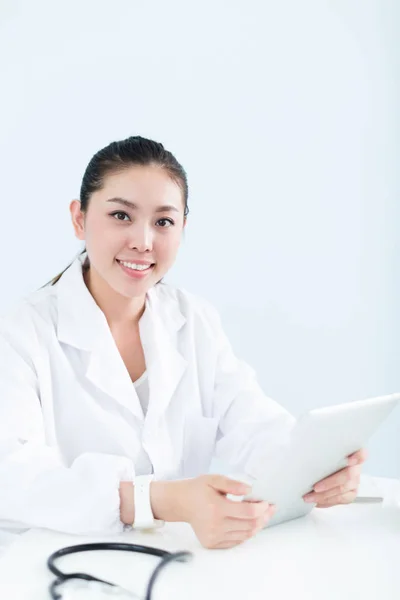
119	310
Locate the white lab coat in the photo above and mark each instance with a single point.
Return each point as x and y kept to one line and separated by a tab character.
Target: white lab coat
71	424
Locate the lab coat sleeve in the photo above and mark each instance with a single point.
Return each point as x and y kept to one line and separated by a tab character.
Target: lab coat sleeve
36	488
253	428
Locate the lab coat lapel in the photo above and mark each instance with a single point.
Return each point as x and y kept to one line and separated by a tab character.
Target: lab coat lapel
159	325
82	324
107	371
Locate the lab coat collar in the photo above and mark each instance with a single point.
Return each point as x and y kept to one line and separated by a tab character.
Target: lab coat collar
82	324
76	306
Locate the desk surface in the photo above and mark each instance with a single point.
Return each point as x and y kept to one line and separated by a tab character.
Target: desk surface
349	552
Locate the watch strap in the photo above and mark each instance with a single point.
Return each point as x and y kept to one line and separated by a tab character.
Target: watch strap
144	518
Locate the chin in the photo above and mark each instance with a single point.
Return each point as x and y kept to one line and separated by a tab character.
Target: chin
135	289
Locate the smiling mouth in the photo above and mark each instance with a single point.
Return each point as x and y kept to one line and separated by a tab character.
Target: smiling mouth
136	273
135	266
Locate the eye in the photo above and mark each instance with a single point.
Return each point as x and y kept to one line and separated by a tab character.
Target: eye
169	221
114	214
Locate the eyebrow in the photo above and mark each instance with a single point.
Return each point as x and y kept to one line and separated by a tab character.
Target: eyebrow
165	208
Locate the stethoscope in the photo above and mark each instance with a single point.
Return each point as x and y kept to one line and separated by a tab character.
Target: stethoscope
62	578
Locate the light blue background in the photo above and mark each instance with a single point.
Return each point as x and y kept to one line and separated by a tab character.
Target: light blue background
285	115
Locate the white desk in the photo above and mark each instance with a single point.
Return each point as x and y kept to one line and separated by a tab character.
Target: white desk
344	553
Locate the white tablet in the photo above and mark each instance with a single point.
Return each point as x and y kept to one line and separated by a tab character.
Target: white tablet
320	442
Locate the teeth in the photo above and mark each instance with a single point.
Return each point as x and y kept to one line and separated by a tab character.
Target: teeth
134	266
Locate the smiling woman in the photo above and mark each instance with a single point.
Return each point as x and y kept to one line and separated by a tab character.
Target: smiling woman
117	392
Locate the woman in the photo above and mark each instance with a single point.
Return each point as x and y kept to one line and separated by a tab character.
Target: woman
116	390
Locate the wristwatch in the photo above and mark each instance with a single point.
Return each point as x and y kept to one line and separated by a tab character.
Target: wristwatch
144	518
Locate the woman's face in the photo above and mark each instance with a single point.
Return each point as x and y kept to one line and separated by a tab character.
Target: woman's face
137	218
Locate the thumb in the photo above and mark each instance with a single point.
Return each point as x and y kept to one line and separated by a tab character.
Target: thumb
225	485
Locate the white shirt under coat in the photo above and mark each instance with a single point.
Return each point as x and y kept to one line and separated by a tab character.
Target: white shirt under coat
71	422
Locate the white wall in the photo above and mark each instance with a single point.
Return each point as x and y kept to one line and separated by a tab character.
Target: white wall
284	115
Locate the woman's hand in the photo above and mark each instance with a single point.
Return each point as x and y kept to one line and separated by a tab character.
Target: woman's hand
217	521
341	487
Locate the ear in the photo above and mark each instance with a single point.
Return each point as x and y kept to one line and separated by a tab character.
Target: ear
78	219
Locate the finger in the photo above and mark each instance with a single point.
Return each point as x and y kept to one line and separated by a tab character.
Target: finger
226	545
341	499
344	488
357	458
245	510
349	475
339	478
239	536
247	524
225	485
228	540
336	491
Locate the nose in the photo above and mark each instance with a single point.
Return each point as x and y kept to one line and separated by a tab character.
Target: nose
141	238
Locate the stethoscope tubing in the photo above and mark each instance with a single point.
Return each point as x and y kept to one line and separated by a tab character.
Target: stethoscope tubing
166	558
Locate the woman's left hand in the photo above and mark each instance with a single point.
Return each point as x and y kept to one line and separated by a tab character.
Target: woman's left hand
341	487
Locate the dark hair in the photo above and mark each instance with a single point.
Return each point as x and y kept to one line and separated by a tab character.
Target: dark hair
117	156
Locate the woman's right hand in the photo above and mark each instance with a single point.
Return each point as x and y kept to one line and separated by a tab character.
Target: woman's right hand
217	521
